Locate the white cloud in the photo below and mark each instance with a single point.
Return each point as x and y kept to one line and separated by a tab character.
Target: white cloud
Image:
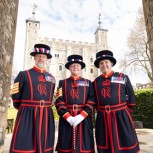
78	20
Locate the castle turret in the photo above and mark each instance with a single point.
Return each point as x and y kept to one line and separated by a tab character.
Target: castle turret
101	37
32	29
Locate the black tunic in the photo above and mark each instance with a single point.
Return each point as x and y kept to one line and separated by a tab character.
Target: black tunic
34	128
115	100
75	97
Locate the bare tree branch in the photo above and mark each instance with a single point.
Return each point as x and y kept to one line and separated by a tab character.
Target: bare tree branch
138	57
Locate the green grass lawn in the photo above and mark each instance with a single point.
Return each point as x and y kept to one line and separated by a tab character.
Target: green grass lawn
12	113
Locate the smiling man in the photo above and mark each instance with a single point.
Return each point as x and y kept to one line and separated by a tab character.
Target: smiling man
115	100
75	103
32	95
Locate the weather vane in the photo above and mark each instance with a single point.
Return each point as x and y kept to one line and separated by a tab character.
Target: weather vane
34	6
99	20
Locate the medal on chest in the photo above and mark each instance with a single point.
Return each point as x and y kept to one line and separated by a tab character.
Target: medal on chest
49	78
118	80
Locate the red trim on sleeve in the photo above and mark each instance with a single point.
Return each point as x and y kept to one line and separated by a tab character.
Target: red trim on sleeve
84	114
51	91
59	103
91	102
90	107
61	107
95	86
66	115
131	111
84	99
131	104
31	86
119	90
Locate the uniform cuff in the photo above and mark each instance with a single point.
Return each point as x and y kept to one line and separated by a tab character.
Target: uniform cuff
84	114
131	111
66	115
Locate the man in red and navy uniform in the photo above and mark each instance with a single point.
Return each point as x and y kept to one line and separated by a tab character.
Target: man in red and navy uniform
75	103
115	100
32	95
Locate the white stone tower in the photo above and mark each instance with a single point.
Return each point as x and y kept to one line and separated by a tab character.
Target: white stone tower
32	30
101	37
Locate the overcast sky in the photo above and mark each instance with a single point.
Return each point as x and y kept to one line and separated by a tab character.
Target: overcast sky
78	20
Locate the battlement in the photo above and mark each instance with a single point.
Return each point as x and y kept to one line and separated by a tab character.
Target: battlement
66	42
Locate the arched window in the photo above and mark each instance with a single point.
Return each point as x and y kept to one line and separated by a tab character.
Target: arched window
60	68
91	59
91	70
57	55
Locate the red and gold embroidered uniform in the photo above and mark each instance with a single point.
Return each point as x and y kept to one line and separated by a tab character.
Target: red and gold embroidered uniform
34	128
75	96
115	100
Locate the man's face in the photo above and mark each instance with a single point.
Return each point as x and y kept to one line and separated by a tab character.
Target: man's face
75	69
40	60
105	66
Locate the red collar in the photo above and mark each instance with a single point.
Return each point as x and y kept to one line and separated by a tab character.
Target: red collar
39	70
107	75
75	78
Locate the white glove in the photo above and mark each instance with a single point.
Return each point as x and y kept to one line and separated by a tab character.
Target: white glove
78	119
71	120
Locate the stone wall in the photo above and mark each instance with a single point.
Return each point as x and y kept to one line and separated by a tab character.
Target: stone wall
8	18
148	14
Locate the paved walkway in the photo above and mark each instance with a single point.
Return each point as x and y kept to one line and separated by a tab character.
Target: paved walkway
145	137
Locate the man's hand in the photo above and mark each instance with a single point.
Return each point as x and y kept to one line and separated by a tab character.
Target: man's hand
71	120
78	119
